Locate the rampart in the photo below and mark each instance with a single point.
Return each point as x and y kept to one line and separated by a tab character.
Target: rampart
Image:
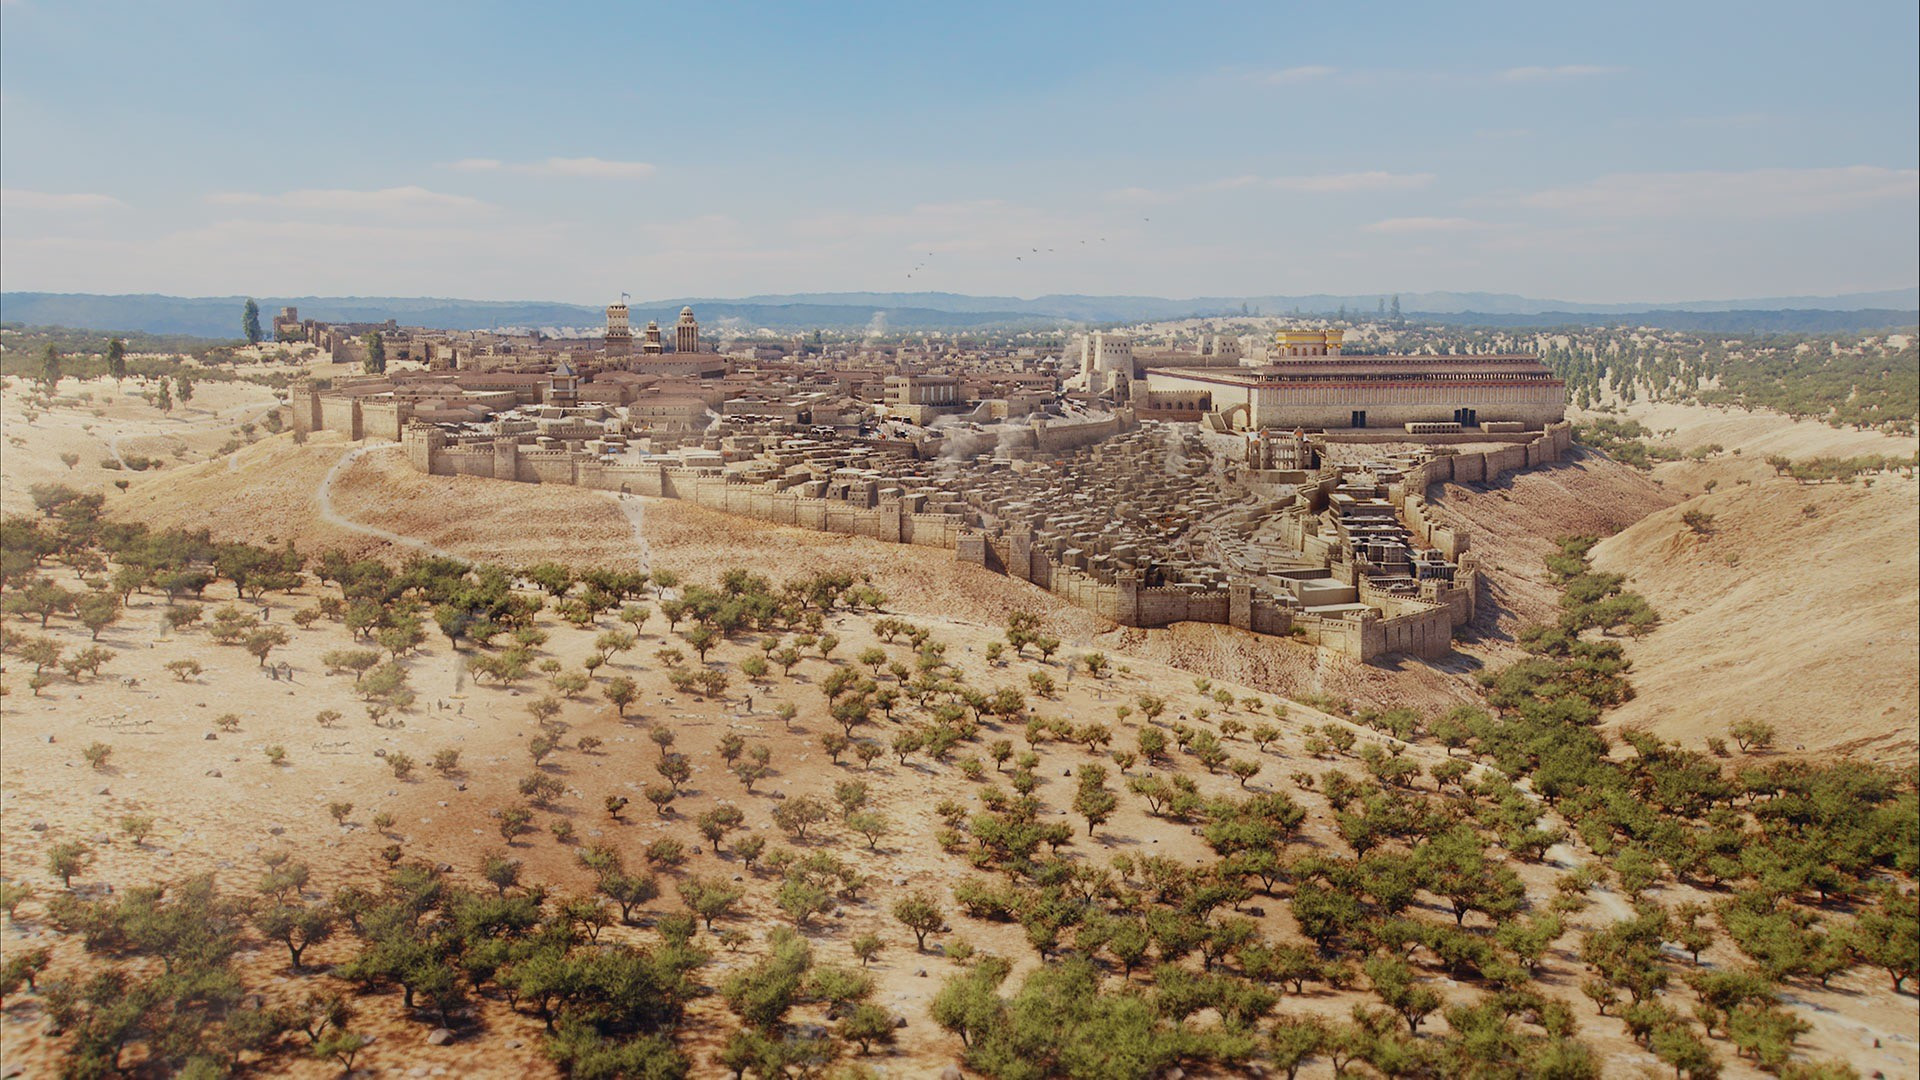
1419	625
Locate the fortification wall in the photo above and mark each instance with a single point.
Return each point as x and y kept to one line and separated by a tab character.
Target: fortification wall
341	414
383	419
1420	627
305	403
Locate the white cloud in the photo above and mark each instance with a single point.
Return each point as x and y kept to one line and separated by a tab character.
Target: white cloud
1295	75
1425	225
1559	71
1355	181
1757	193
562	166
396	200
22	199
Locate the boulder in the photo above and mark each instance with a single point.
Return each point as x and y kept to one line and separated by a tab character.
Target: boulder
439	1037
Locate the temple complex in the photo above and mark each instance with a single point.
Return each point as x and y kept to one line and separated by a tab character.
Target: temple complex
1281	493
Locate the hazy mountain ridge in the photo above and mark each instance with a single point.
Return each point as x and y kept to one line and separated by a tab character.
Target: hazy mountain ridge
220	316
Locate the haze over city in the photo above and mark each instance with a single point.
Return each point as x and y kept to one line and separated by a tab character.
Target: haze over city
1636	152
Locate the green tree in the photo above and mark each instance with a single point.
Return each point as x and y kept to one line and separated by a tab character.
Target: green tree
50	367
376	362
117	359
67	859
250	322
1094	800
921	914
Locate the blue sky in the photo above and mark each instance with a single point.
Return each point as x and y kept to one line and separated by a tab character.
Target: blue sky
1610	152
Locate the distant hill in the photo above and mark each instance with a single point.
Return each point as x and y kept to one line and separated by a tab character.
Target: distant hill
1782	321
219	316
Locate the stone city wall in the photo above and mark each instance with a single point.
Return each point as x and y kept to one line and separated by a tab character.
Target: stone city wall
1422	627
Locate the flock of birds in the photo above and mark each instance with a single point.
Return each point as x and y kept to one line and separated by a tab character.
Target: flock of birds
920	266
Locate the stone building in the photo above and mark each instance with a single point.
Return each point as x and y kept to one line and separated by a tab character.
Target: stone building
1311	385
919	398
619	333
686	333
1106	361
650	343
287	326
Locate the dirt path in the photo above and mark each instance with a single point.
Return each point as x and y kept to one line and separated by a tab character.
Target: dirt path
323	495
634	507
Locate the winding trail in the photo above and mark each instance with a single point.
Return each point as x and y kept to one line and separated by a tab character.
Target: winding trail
323	495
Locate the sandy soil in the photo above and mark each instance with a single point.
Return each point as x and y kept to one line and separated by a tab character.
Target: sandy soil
1756	434
114	424
1799	606
221	806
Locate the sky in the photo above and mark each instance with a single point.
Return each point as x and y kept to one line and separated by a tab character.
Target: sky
1596	152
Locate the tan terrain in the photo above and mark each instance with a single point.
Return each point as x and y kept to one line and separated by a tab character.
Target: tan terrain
220	806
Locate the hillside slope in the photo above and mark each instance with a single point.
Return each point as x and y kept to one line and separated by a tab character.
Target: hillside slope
1513	524
1799	606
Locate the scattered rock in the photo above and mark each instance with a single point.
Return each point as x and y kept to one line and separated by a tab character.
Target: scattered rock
1257	912
215	773
919	973
439	1037
952	1072
103	790
209	737
461	786
1175	1073
38	826
899	1021
276	831
46	738
445	868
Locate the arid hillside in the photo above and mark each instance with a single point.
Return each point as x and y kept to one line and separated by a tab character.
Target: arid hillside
375	505
1797	604
1512	525
846	769
101	426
